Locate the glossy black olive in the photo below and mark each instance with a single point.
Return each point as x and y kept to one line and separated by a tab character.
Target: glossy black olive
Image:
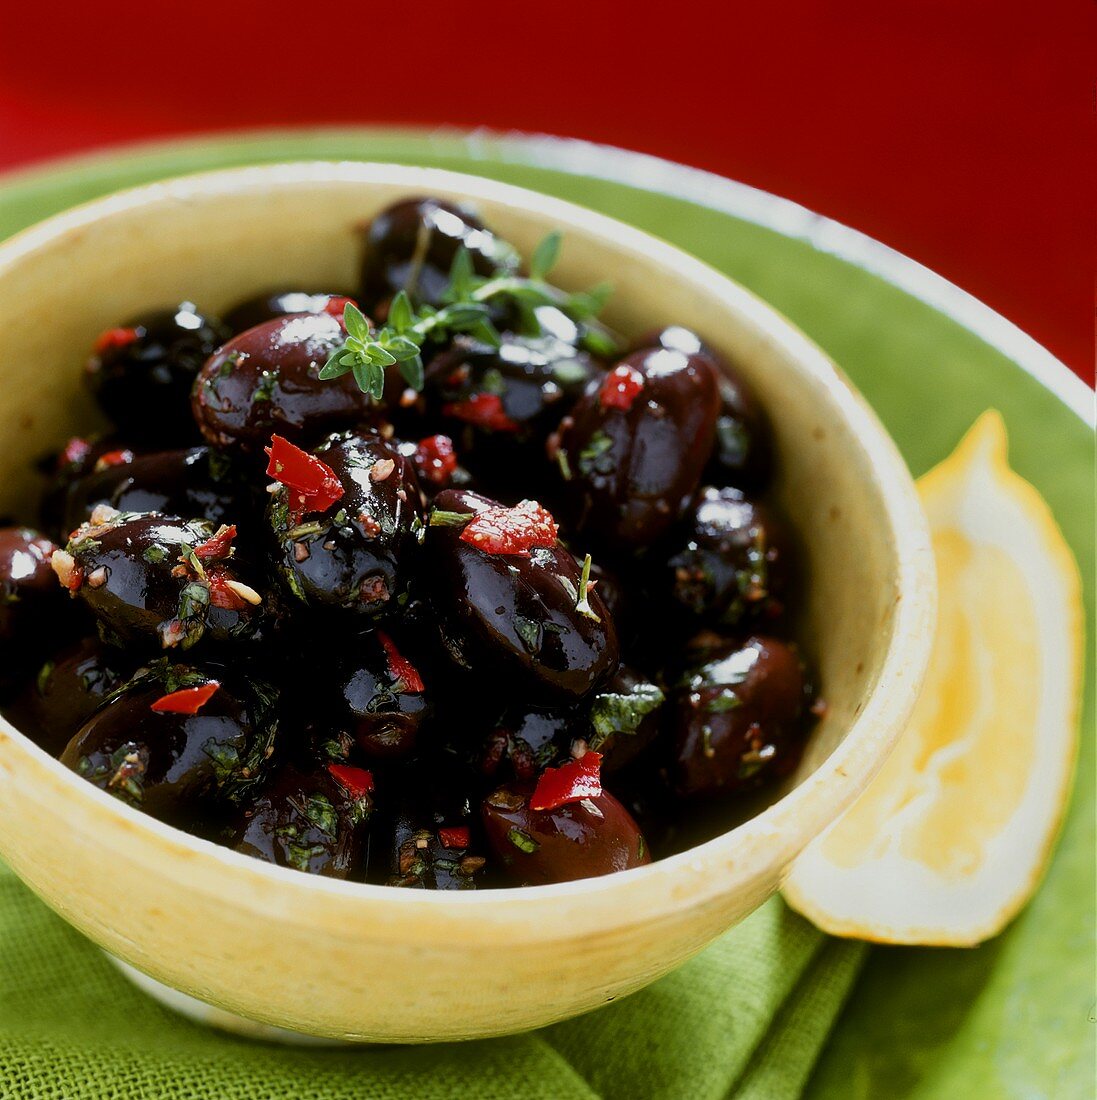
515	619
743	454
526	740
70	688
358	554
625	719
633	449
596	836
141	373
282	303
738	718
266	381
193	482
158	581
77	459
368	697
309	821
171	764
411	244
731	563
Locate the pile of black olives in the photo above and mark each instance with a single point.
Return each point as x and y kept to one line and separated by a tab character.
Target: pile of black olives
524	624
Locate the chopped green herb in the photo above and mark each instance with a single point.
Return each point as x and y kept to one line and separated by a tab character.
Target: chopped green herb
154	554
594	457
522	840
583	603
530	633
615	712
440	518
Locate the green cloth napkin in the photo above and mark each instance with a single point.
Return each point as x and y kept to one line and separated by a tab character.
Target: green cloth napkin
745	1019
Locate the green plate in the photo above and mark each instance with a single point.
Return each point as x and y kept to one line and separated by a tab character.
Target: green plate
1016	1016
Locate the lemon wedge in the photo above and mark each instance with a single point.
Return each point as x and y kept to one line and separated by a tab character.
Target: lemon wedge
951	838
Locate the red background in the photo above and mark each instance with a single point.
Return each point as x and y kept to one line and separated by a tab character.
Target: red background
958	131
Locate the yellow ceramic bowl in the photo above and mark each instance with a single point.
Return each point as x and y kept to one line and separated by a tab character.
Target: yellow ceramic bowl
346	960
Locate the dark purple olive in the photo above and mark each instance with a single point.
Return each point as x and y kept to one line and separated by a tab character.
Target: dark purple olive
141	373
282	303
70	688
159	581
172	764
193	482
510	609
411	244
358	554
266	381
732	560
78	458
738	718
367	697
625	719
596	836
633	449
309	821
526	740
437	464
743	454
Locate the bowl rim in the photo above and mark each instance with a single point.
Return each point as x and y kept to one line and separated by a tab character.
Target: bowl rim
773	836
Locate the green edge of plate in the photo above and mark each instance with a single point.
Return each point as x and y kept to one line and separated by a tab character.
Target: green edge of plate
1014	1017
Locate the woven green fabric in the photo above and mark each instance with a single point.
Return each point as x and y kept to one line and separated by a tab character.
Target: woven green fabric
747	1018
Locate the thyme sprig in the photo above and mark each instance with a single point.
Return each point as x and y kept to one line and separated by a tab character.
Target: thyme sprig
465	309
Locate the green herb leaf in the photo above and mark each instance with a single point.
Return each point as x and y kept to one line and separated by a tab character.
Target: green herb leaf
523	841
401	315
441	518
582	605
615	712
354	320
545	255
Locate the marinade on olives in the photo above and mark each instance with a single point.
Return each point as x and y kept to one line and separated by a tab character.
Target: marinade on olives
442	586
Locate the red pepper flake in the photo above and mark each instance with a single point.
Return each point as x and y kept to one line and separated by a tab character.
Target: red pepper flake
514	530
435	459
571	782
113	458
114	338
621	387
456	836
186	700
221	593
357	782
218	545
75	451
400	668
485	410
336	304
313	484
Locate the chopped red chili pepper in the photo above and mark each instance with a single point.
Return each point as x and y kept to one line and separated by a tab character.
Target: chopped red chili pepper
456	836
435	459
113	458
336	304
74	451
313	484
620	387
485	410
221	594
114	338
186	700
400	668
357	782
514	530
571	782
218	545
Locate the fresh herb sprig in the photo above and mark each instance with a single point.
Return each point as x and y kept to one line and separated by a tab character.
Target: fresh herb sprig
466	308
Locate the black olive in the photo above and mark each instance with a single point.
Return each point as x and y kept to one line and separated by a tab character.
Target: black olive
411	244
357	554
625	719
266	381
77	459
633	449
310	821
282	303
731	562
738	718
172	764
516	619
159	581
526	740
142	373
193	482
596	836
743	454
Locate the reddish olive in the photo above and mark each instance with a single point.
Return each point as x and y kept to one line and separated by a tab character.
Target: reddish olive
595	836
281	303
159	581
141	372
267	381
152	747
510	609
731	561
310	821
738	718
355	555
411	245
634	447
